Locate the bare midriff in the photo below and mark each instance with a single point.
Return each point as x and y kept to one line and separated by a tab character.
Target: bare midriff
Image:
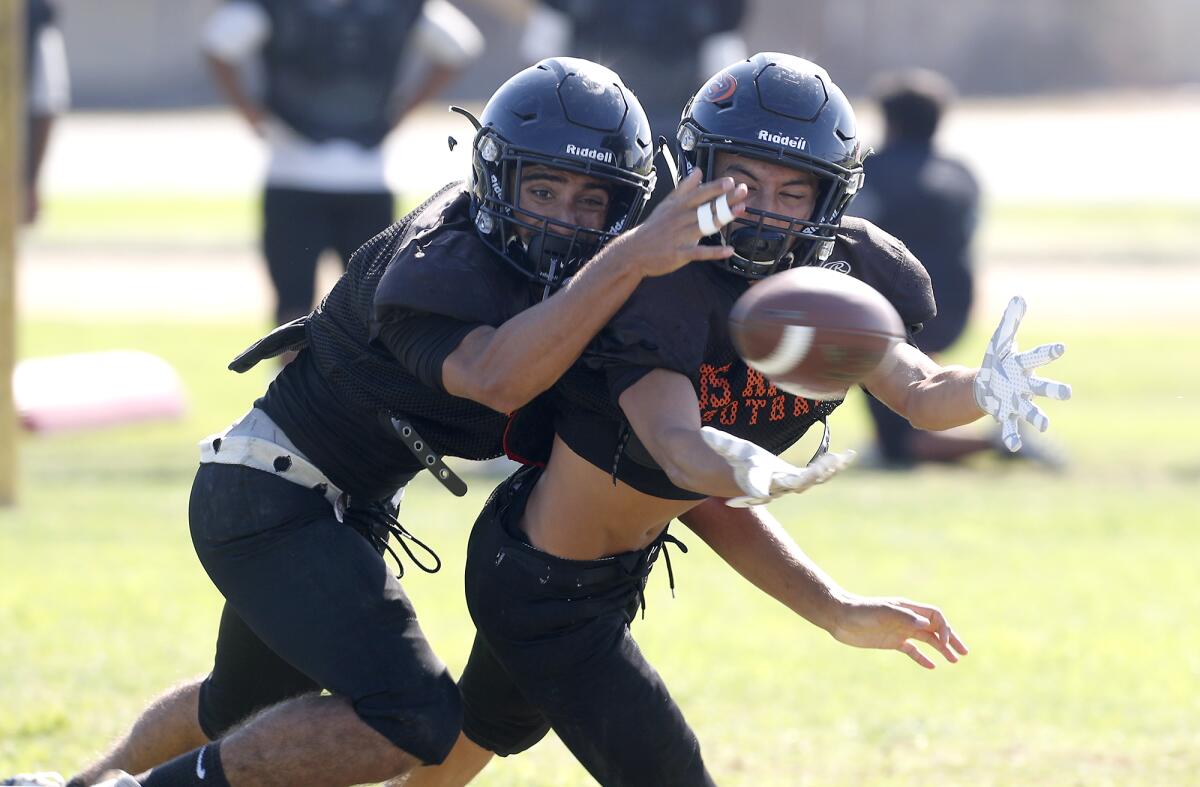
576	512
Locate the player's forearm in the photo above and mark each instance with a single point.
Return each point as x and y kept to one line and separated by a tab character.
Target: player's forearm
529	352
691	464
39	141
230	85
944	399
755	545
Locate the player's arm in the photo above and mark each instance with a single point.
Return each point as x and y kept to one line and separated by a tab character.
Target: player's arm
929	395
48	97
507	366
449	42
763	552
664	413
233	33
932	396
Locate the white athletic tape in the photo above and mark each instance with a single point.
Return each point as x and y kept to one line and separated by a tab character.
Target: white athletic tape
724	214
704	218
792	347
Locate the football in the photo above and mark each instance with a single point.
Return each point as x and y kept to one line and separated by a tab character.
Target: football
814	332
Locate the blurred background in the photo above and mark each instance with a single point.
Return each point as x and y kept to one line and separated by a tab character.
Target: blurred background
1055	97
1072	580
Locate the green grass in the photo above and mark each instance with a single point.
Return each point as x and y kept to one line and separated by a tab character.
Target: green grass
1076	593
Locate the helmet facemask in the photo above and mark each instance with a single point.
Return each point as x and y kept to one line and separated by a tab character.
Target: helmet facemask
765	242
555	250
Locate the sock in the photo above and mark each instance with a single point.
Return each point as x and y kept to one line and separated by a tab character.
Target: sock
199	768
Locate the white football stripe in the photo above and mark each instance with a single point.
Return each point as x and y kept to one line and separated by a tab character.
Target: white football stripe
792	347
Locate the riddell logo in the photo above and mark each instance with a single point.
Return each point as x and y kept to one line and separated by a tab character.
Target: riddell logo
592	153
800	143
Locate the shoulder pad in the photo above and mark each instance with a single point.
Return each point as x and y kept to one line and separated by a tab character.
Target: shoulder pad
881	260
442	267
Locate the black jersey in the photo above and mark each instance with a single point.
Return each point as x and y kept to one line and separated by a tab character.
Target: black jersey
330	69
431	266
680	322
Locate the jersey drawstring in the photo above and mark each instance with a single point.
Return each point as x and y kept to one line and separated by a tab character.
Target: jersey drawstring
666	539
380	514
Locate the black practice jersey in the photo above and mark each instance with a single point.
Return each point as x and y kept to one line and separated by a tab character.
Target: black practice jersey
376	345
680	322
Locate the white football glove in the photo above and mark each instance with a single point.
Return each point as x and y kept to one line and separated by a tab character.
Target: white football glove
40	779
764	476
1005	383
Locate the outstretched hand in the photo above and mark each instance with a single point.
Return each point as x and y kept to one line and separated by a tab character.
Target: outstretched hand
1005	385
897	624
670	237
764	476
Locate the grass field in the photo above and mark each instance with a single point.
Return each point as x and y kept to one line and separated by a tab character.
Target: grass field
1076	593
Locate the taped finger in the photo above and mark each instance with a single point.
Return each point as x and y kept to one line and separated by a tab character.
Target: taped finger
704	219
724	214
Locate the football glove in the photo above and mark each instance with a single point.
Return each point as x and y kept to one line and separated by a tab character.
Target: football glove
1005	385
764	476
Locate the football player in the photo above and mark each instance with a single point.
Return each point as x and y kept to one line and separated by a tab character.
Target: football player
661	419
464	310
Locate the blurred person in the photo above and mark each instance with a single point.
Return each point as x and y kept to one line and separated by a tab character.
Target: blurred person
929	201
47	94
559	558
461	312
330	71
662	49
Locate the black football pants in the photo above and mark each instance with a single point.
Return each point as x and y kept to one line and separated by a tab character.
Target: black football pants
553	650
310	605
298	225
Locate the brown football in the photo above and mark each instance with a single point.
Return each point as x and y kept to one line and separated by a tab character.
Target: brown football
814	332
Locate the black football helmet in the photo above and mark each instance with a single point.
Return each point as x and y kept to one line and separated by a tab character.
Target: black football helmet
569	114
786	110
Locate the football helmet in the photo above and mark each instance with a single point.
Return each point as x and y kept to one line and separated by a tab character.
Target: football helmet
786	110
573	115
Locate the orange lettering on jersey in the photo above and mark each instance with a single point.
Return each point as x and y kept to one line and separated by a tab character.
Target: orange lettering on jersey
755	405
714	387
757	385
778	408
800	407
729	414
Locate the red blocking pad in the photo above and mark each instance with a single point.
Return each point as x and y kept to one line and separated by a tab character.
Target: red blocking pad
90	390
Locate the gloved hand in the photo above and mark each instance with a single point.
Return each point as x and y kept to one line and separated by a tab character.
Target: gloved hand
1005	383
764	476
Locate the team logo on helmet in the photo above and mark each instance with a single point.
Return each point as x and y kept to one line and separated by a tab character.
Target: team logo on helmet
800	143
720	88
595	154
